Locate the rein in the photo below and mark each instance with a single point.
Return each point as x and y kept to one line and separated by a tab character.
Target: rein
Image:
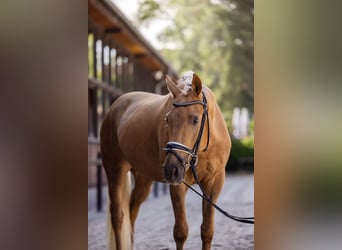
173	147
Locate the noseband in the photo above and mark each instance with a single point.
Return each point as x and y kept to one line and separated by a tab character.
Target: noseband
175	147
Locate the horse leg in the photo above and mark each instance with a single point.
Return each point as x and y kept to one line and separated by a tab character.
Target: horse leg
141	190
119	187
119	191
180	230
212	188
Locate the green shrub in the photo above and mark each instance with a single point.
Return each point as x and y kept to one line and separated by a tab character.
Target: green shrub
241	149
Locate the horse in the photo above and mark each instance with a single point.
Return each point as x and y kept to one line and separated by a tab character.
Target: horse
150	136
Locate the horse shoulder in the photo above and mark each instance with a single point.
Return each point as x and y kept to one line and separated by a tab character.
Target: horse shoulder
133	115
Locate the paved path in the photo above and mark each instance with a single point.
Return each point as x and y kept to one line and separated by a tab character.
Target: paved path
154	225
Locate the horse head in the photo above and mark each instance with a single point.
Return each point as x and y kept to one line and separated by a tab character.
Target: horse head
185	120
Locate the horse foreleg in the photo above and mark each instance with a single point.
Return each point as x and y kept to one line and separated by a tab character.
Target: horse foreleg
213	188
139	194
180	230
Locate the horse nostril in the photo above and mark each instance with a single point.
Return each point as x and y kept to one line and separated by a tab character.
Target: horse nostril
175	173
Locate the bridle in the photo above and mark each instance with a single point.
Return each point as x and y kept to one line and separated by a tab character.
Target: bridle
175	147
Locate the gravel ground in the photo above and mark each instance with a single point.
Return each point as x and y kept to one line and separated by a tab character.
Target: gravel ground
154	225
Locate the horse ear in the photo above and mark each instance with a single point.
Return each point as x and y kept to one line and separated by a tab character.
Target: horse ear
196	84
171	86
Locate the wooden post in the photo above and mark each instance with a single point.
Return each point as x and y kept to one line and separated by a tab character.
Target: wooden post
94	56
110	63
93	93
116	68
99	184
155	189
103	75
103	68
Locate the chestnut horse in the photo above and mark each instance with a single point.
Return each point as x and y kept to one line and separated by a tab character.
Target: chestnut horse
151	136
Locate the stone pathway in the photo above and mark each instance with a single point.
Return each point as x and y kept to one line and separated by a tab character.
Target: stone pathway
154	226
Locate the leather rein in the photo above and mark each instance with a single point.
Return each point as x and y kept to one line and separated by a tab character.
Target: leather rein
174	147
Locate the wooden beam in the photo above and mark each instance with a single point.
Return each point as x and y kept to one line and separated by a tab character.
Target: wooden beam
113	31
115	92
140	55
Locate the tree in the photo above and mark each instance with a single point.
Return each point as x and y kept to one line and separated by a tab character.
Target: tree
240	25
213	38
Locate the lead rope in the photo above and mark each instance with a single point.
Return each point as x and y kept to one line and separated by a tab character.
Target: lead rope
248	220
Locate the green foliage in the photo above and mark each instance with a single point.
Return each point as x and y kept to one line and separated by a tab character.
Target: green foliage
251	127
240	149
215	40
148	9
241	28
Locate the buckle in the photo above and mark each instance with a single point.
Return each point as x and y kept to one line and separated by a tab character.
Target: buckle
193	160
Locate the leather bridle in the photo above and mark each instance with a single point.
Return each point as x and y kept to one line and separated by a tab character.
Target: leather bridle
175	147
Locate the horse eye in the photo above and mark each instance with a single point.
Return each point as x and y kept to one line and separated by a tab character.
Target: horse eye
195	120
166	119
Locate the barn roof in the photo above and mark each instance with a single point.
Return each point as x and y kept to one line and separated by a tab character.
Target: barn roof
105	16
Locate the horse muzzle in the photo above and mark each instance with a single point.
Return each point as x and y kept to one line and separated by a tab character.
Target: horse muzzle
178	160
173	172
